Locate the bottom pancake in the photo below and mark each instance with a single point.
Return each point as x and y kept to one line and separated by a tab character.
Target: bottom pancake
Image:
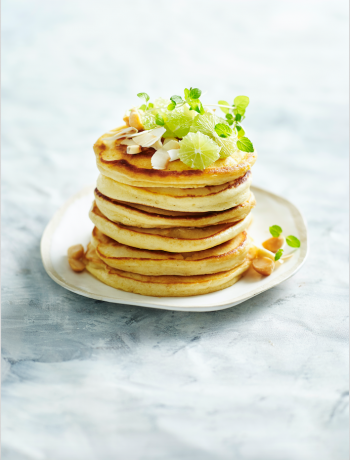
162	286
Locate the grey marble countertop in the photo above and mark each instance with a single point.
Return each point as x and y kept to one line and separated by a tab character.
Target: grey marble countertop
82	379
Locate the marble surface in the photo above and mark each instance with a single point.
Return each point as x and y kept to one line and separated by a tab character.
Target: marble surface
82	379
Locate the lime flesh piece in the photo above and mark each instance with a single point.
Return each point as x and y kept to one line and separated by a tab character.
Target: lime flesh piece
198	151
179	121
206	125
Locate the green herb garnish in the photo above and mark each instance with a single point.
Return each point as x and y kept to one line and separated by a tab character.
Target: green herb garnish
245	145
275	231
144	96
293	241
224	108
240	131
240	103
195	93
223	130
278	254
160	120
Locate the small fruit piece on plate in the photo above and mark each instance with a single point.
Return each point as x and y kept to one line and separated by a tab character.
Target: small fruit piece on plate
263	265
75	252
274	244
135	120
76	265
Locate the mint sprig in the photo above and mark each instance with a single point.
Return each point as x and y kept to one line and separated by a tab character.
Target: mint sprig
240	104
275	231
226	111
160	120
144	96
223	130
245	145
278	254
192	96
293	241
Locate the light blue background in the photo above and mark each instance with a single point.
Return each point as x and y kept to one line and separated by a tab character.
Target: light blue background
82	379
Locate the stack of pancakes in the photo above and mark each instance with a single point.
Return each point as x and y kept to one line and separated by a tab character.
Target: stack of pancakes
172	232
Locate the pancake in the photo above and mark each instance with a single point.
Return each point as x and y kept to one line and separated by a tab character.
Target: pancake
138	215
162	286
203	199
178	239
136	170
224	257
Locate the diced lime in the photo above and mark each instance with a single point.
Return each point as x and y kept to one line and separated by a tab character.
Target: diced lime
148	120
179	121
160	102
168	133
206	125
198	151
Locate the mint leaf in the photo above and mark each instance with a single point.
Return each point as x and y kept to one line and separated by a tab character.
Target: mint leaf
195	104
293	241
171	106
275	231
238	117
241	101
160	120
278	254
223	108
240	131
245	145
144	96
187	93
195	93
229	118
176	99
223	130
150	105
143	107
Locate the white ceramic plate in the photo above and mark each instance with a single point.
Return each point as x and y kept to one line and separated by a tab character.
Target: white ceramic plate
71	225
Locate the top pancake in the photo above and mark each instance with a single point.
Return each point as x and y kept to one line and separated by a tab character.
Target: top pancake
113	161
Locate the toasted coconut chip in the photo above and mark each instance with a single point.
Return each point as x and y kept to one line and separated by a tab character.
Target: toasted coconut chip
120	134
171	145
169	139
132	149
157	145
174	154
148	138
160	159
127	142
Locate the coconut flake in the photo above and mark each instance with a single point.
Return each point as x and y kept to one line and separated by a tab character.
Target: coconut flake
172	145
125	132
157	145
169	139
160	159
174	154
132	149
127	142
148	138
